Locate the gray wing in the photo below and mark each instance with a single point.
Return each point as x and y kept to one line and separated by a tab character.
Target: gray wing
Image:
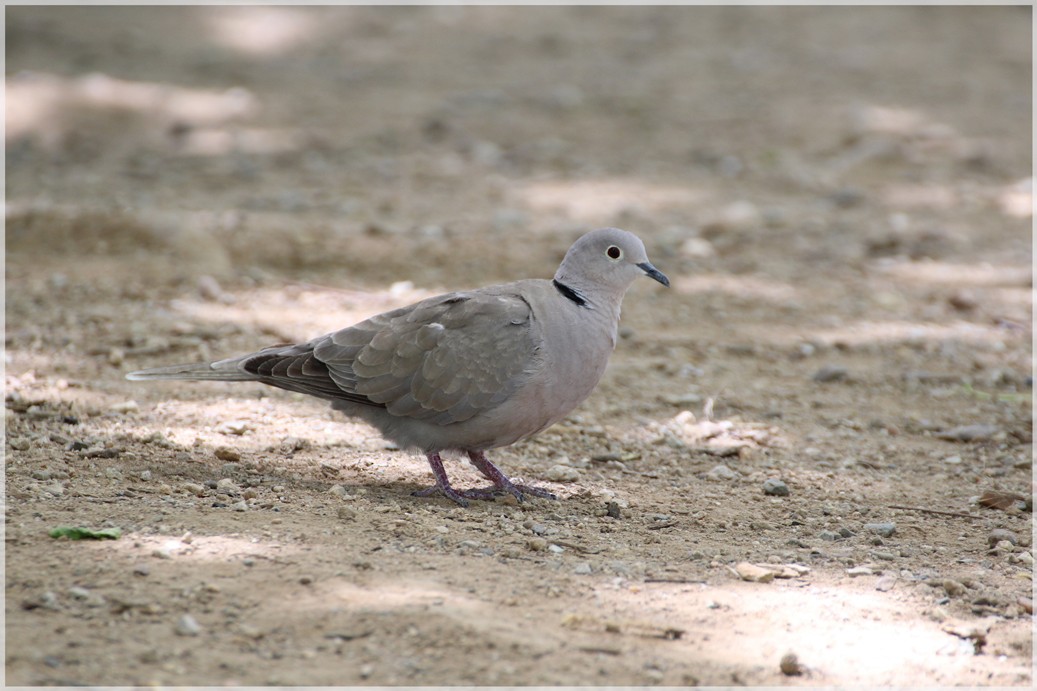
442	360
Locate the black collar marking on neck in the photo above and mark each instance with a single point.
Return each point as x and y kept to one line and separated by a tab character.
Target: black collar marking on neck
570	293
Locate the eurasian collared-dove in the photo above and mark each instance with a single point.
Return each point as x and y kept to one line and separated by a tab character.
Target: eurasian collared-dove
466	371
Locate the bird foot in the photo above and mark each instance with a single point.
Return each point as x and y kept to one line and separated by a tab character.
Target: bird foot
448	492
501	483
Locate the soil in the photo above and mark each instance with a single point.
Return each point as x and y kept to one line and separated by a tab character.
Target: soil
840	196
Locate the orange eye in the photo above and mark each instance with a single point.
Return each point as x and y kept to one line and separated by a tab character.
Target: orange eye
614	252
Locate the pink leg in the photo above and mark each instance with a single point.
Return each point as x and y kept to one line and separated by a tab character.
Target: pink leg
500	481
442	485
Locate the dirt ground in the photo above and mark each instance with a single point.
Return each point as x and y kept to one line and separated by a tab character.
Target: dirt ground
841	197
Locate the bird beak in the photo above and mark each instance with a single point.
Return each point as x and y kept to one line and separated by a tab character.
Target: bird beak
653	272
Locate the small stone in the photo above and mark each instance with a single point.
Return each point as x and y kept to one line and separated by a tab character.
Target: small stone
55	489
582	569
881	529
536	544
754	573
187	626
886	582
49	600
953	588
775	488
239	506
790	665
209	288
698	248
125	407
116	356
562	473
969	433
194	488
555	549
20	444
225	453
366	670
234	427
227	486
830	373
859	571
78	593
145	475
829	535
721	472
306	580
345	513
141	570
998	534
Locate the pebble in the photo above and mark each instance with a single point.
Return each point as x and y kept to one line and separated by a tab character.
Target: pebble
829	535
754	573
141	570
194	488
125	407
860	571
555	549
953	588
536	544
721	472
886	582
20	444
998	534
562	473
187	626
49	600
775	488
881	529
830	373
239	506
698	248
87	597
582	569
227	486
345	513
790	665
234	427
969	433
225	453
55	489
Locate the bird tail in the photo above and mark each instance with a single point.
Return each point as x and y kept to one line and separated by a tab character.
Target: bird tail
223	370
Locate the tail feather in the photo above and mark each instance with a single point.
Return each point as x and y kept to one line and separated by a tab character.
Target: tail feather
224	370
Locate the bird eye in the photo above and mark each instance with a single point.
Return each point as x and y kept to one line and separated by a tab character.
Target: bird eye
614	252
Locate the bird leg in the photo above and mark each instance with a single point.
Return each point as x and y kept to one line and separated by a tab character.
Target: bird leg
442	485
501	483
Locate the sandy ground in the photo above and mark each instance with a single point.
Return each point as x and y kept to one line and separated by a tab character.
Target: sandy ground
840	196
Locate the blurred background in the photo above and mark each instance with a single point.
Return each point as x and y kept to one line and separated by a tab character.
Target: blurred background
306	139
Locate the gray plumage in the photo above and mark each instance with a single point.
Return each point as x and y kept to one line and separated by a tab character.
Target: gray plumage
467	371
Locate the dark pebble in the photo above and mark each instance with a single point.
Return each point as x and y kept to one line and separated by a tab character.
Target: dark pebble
830	373
775	488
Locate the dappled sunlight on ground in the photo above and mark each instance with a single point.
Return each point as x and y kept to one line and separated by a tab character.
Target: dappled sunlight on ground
598	201
744	287
45	106
260	31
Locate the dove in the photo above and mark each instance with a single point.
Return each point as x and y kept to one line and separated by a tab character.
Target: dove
467	371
